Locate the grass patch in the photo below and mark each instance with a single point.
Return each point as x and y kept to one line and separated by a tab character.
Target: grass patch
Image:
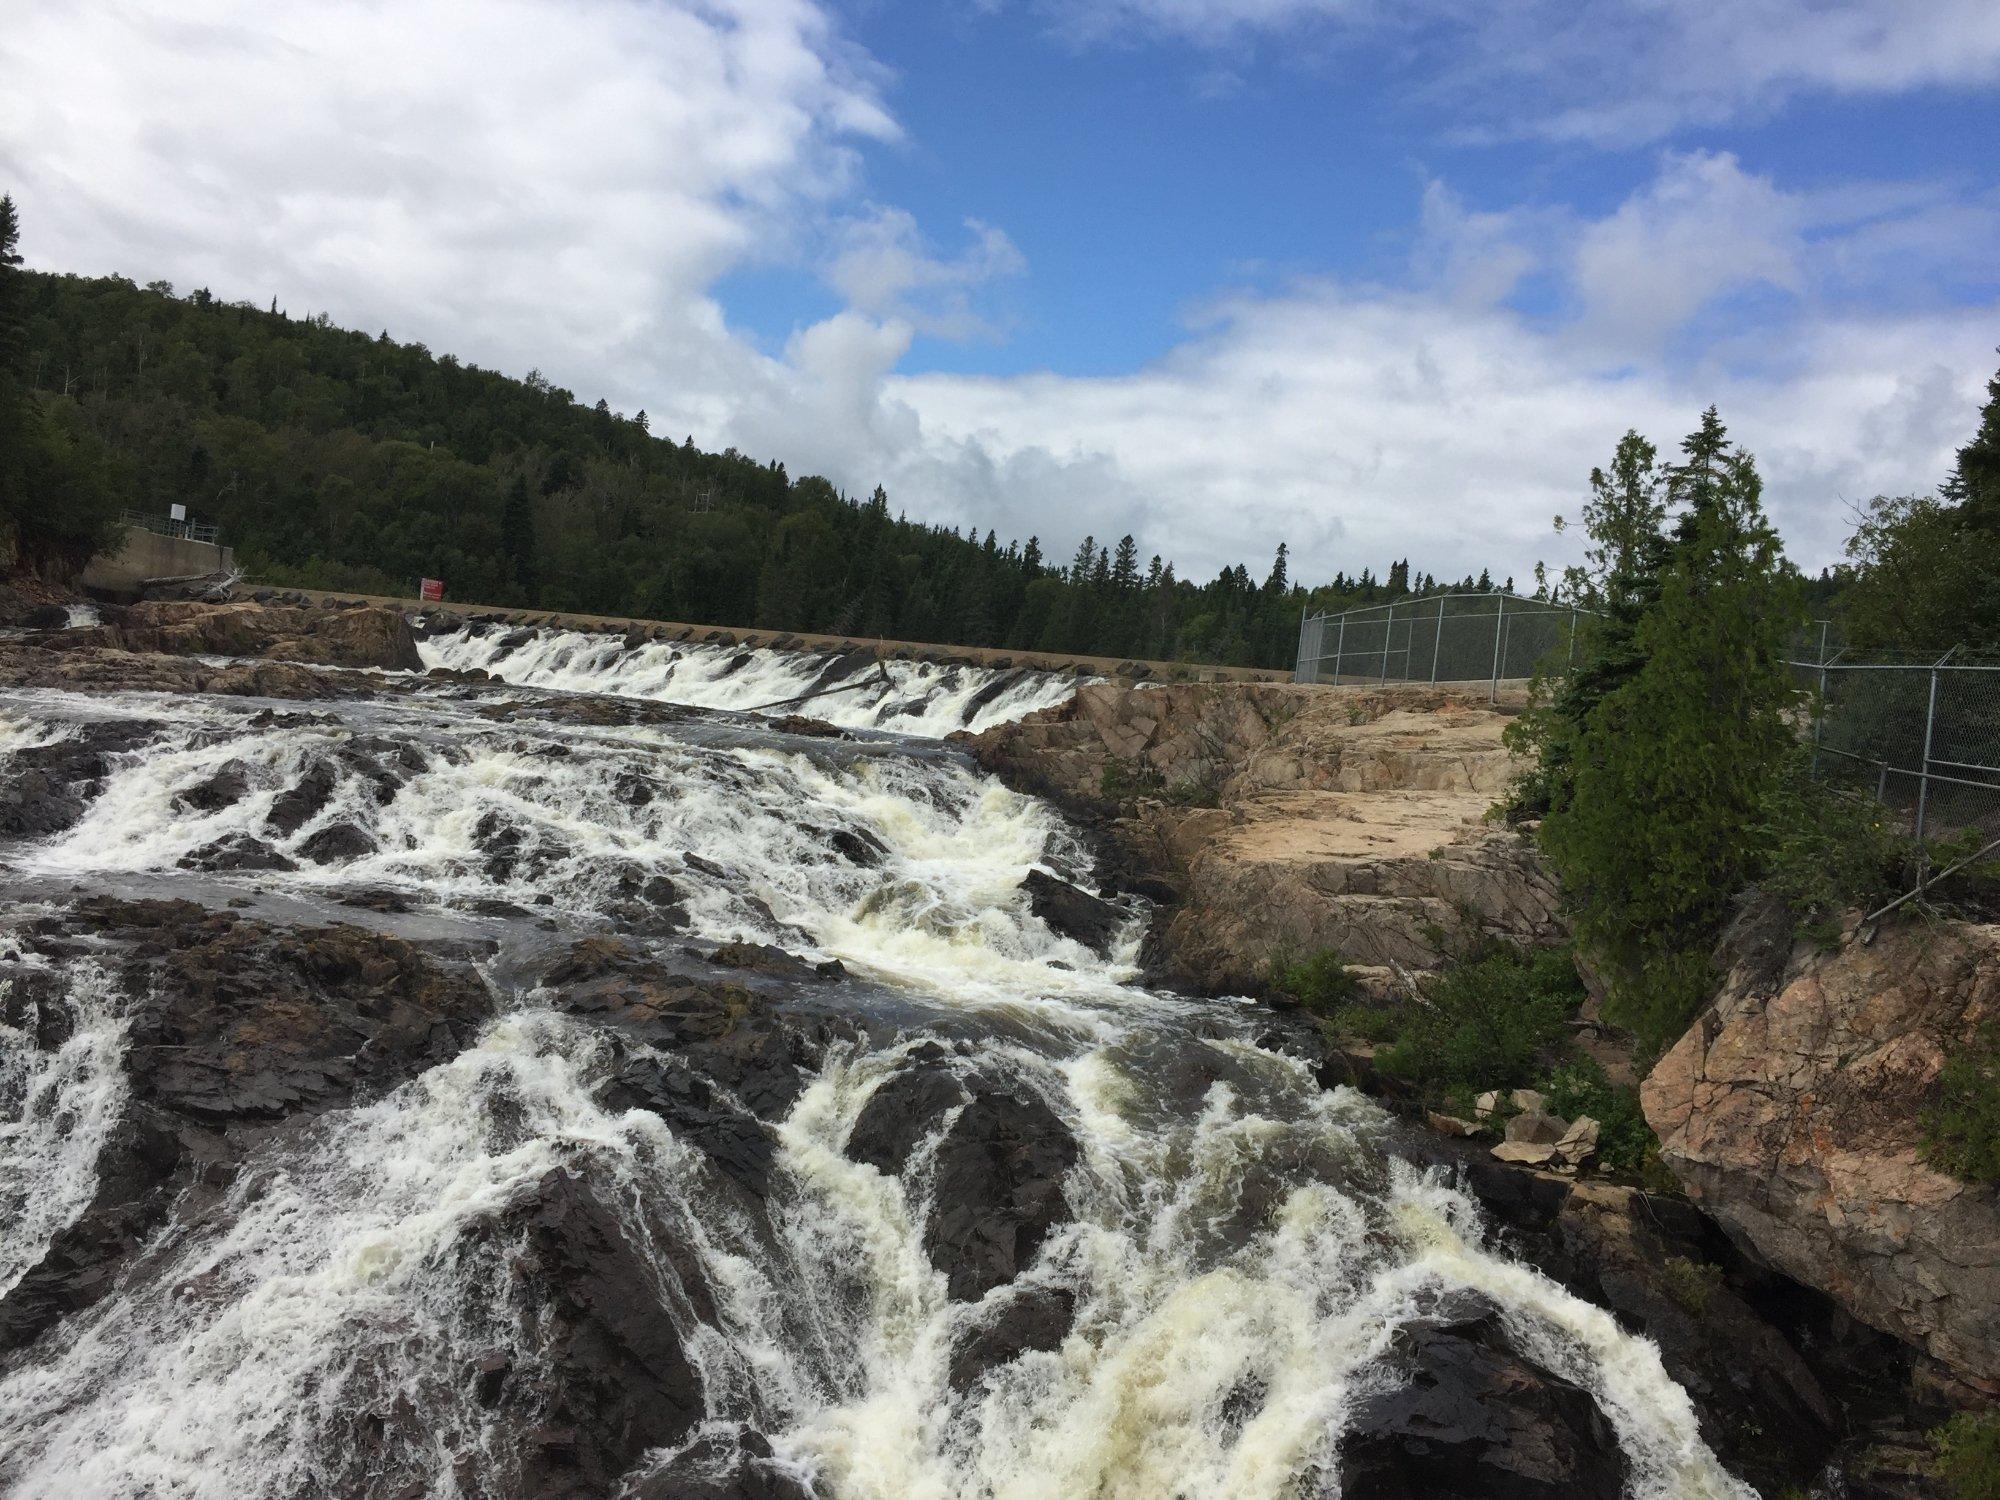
1962	1129
1968	1455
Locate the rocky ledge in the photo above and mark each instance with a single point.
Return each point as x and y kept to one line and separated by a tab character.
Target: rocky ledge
1793	1110
1282	820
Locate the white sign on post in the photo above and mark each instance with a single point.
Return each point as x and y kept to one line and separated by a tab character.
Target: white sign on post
177	512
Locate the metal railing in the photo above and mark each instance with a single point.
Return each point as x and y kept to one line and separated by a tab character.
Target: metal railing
1922	737
163	526
1439	638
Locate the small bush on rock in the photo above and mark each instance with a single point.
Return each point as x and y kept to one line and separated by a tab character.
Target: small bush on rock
1488	1022
1962	1130
1968	1454
1323	984
1624	1139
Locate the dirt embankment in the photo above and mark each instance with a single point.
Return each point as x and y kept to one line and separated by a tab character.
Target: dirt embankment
1284	820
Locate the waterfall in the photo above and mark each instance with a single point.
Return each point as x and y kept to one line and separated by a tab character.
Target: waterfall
916	698
1235	1252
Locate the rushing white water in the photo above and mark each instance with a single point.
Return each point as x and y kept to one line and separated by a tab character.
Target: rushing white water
1240	1248
58	1105
915	698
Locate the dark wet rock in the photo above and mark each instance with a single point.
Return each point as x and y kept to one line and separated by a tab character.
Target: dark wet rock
1000	684
809	728
858	846
721	1028
236	1025
612	1378
225	788
762	958
337	842
997	1172
135	1190
1028	1320
1074	914
300	804
723	1466
236	851
706	867
839	669
1474	1420
45	790
741	1146
1734	1336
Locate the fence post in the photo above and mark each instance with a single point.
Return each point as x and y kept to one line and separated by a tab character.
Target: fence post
1437	645
1388	629
1819	705
1499	618
1924	775
1299	664
1572	638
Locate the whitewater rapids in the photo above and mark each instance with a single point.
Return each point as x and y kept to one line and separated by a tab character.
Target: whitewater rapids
914	698
1240	1246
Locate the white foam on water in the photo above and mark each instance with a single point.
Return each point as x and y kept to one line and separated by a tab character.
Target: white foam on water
914	698
1241	1249
58	1107
942	909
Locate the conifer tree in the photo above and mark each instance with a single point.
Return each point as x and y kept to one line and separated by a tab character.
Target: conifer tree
1655	831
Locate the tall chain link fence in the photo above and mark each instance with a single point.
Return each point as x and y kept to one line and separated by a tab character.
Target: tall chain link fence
1447	638
1921	735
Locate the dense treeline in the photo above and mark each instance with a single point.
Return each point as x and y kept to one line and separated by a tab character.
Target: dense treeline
348	460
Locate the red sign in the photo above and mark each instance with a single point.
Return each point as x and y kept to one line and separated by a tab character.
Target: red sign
431	589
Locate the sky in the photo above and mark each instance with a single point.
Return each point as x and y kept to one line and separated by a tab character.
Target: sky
1375	278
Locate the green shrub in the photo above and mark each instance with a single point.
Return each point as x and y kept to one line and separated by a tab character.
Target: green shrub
1968	1455
1323	984
1692	1283
1826	848
1123	780
1489	1021
1624	1139
1962	1129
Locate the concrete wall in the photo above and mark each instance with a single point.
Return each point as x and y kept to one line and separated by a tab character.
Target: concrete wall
147	554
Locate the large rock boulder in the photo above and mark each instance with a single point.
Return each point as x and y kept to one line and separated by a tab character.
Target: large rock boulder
1471	1418
996	1175
1793	1112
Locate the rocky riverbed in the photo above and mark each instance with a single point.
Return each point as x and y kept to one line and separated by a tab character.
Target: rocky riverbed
413	1084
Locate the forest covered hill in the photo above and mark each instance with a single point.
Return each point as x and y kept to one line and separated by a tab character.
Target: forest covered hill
349	460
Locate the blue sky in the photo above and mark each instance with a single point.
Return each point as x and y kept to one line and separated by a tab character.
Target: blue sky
1374	277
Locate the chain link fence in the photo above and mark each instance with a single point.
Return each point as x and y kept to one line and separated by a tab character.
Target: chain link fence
1486	638
1922	736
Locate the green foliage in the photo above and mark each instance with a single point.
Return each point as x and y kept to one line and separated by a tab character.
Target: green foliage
60	493
1968	1455
1962	1128
1488	1022
1825	848
1122	780
1657	790
1322	984
1692	1283
1624	1138
1916	584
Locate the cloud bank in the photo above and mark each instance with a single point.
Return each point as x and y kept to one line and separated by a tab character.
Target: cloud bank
563	184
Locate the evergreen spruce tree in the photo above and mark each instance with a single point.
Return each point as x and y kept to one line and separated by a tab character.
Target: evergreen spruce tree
1672	768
